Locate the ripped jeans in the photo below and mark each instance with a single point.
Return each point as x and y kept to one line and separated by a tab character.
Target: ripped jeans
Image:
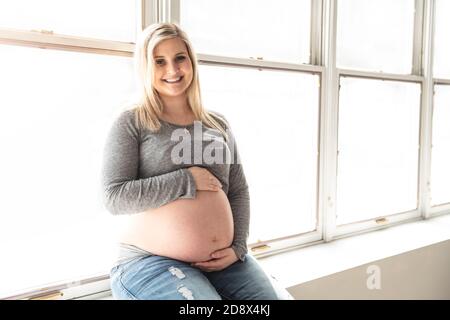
154	277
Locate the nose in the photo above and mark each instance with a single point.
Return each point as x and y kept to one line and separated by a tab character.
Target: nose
172	68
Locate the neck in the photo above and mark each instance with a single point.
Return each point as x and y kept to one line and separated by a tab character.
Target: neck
177	110
174	106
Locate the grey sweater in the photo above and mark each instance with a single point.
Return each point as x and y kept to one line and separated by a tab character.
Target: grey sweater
144	169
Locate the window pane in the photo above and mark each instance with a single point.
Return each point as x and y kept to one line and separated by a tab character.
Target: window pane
375	35
378	148
274	30
441	43
274	116
440	157
56	109
115	20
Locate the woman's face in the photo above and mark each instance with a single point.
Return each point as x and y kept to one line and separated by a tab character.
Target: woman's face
172	68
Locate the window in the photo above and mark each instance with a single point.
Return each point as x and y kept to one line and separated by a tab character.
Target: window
375	35
56	110
441	43
440	172
274	116
113	20
269	67
273	30
378	148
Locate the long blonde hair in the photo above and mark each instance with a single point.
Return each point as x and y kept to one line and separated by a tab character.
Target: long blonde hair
149	107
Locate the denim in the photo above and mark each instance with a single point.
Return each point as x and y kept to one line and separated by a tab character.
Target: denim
153	277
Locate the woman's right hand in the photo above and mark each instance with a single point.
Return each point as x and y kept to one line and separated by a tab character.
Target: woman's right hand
204	179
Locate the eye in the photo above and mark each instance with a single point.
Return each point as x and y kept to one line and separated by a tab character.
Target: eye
159	62
181	58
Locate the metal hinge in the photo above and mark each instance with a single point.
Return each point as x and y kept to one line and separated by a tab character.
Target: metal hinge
381	220
55	295
261	247
43	31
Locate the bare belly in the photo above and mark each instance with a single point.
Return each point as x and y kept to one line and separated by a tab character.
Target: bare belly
185	229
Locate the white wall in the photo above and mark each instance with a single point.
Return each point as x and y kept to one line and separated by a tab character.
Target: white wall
423	273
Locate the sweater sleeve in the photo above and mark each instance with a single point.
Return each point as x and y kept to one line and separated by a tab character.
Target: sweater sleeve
124	192
238	196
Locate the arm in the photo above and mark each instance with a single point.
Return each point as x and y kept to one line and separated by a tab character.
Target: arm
124	192
238	196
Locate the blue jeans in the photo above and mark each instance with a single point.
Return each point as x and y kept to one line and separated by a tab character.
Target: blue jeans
154	277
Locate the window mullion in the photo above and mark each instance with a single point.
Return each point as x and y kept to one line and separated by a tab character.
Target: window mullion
441	81
426	116
316	33
169	11
148	13
418	37
328	125
379	75
244	62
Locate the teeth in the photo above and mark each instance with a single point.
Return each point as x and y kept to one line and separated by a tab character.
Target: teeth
173	80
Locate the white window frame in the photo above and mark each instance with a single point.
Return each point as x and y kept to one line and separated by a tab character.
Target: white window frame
323	53
426	70
148	12
171	13
272	246
444	208
421	73
47	39
323	63
440	209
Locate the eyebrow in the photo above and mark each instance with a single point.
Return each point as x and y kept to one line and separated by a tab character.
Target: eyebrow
183	52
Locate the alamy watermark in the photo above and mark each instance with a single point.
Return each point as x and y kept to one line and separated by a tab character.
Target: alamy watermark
374	279
217	150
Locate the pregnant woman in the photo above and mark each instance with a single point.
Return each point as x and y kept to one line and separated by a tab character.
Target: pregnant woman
172	169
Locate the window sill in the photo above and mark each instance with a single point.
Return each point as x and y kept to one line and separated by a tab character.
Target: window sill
302	265
298	266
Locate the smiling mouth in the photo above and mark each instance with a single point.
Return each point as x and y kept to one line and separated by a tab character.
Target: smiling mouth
171	81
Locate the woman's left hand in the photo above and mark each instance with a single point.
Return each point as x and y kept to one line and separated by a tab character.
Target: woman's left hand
220	260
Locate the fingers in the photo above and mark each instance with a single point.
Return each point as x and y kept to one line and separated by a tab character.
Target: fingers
214	187
205	180
208	266
220	260
214	183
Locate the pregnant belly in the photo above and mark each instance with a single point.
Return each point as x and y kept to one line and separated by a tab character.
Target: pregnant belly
185	229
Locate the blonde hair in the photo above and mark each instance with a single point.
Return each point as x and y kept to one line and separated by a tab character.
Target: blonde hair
149	107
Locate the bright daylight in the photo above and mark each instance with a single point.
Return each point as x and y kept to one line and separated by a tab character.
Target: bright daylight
225	150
